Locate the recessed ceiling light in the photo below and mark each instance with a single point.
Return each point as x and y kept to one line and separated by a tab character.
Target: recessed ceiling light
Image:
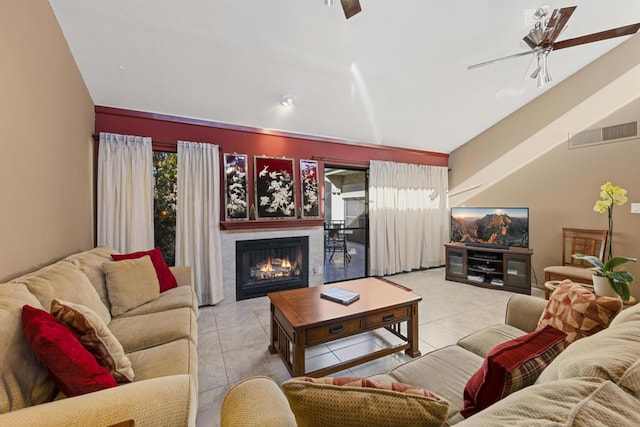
287	101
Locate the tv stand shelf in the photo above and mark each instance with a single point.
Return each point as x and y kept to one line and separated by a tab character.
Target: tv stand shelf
495	268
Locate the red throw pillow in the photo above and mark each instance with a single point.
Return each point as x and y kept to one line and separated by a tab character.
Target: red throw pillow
511	366
74	370
165	276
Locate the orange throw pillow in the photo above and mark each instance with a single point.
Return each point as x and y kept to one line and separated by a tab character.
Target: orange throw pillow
577	312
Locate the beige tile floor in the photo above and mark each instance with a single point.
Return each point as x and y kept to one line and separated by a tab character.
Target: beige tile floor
233	336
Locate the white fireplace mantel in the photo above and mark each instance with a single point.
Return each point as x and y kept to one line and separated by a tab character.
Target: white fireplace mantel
230	237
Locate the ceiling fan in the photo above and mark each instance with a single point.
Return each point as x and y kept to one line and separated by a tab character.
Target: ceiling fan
542	39
350	7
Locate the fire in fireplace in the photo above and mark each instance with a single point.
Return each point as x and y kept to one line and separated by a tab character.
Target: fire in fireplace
278	268
269	265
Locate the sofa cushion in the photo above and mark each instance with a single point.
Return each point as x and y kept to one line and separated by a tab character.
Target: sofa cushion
350	401
445	370
65	281
483	341
130	283
577	312
74	370
90	263
173	358
151	329
25	380
95	337
180	297
607	355
510	367
166	279
577	402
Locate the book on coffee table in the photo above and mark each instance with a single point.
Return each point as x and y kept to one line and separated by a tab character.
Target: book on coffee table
342	296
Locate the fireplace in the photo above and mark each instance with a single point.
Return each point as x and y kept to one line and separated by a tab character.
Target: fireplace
269	265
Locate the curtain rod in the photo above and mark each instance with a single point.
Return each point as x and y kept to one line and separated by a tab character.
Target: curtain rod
341	161
161	144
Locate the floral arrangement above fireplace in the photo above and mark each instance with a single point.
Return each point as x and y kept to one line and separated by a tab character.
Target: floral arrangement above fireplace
309	179
275	187
235	186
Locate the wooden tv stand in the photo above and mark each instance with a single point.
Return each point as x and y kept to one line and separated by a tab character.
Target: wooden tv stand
505	269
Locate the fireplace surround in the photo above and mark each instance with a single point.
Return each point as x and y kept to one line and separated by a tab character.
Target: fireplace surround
270	265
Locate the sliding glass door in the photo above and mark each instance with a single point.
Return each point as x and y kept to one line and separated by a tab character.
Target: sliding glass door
346	221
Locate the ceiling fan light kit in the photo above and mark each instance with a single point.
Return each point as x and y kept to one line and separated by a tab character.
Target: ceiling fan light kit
542	72
287	101
542	39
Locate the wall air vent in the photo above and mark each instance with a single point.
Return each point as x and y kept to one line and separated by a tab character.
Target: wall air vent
623	131
604	135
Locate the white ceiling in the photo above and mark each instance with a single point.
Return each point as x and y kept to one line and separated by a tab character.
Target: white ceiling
395	74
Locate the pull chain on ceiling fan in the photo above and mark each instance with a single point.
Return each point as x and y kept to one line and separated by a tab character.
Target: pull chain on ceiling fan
542	39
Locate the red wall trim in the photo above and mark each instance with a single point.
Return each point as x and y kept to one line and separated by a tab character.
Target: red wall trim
169	129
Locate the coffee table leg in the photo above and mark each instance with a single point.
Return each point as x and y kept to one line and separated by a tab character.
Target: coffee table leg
274	332
298	356
412	333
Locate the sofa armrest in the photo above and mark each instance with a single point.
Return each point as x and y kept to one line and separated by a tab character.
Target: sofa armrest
163	401
524	311
183	275
256	401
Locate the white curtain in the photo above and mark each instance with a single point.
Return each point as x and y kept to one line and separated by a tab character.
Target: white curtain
125	192
197	218
408	216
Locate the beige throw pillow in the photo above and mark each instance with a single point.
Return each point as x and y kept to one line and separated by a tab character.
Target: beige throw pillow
130	283
66	281
351	402
95	337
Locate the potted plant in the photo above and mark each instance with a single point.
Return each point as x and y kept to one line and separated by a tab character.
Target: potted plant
610	195
604	272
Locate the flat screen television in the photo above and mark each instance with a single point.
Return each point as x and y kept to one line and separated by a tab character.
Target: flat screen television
502	227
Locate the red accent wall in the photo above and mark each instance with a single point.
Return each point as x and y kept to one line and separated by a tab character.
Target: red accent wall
166	130
253	141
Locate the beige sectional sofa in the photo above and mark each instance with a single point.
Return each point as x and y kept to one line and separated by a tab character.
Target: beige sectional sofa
159	337
595	381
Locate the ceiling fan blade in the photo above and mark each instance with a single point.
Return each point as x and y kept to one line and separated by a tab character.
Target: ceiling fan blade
350	7
482	64
556	24
596	37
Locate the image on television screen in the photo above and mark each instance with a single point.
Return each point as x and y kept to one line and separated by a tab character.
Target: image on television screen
497	226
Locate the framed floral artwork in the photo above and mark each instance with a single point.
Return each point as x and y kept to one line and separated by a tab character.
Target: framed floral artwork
309	189
275	187
235	186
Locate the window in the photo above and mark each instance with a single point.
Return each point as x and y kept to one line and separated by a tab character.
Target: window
165	172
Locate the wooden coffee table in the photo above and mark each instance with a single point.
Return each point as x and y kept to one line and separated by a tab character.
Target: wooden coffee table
301	319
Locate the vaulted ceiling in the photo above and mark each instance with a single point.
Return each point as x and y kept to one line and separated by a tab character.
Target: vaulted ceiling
395	74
